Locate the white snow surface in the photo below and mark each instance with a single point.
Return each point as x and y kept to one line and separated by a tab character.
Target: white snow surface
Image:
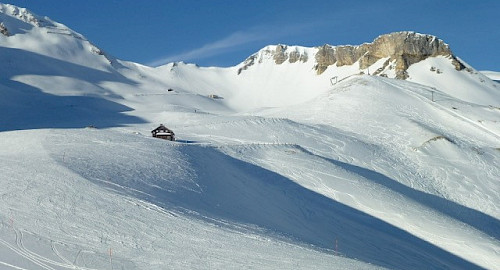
494	75
273	168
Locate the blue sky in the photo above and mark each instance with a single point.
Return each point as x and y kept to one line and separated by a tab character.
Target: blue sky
225	33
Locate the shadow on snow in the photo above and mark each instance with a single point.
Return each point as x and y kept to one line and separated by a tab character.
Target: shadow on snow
26	107
228	189
481	221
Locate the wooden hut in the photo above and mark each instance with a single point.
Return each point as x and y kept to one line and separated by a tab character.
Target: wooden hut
163	132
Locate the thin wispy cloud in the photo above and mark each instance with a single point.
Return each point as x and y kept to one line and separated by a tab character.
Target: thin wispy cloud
211	49
256	34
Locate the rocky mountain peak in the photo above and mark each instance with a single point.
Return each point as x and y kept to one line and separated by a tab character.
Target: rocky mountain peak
400	49
25	15
279	54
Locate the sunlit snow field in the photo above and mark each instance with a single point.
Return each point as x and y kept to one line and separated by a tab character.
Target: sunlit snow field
285	169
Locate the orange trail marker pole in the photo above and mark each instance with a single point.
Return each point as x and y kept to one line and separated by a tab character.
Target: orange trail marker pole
111	258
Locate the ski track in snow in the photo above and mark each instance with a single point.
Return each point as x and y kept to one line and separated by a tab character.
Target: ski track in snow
279	171
37	259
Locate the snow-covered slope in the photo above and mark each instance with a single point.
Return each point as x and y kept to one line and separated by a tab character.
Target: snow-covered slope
78	200
494	75
275	167
467	85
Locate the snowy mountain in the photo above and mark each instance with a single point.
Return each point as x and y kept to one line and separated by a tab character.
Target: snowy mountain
384	155
415	57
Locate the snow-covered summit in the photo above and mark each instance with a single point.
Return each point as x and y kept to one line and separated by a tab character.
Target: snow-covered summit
22	29
17	20
25	15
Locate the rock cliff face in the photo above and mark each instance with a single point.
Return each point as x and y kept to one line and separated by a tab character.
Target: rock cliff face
3	30
279	54
401	49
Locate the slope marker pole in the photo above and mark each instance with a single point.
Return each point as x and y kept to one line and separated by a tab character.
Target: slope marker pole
111	258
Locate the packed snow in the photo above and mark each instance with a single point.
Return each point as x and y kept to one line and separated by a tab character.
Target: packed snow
274	167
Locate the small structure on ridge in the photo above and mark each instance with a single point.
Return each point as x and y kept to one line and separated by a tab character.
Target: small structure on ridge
163	132
214	96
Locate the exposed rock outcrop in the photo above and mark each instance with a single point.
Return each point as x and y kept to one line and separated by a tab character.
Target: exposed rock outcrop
401	49
248	63
279	54
324	58
3	30
297	56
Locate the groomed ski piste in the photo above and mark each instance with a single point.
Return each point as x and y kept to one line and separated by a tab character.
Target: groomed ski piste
284	169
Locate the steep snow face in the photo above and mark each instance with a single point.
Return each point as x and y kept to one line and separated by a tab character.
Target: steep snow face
22	16
41	35
50	71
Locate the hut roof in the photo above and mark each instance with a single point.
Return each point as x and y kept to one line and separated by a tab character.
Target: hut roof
162	129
